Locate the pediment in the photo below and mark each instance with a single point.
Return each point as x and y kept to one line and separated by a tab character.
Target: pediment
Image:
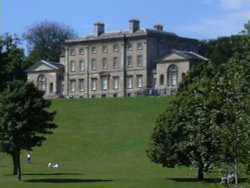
41	66
173	57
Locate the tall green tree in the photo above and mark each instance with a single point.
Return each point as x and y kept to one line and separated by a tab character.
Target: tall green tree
207	122
46	40
24	120
183	134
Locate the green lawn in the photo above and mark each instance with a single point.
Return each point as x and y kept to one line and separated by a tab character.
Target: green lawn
101	143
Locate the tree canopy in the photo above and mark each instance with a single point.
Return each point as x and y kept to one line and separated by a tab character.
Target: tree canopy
12	60
24	120
46	40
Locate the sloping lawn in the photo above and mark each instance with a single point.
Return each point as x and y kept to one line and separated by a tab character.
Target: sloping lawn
101	143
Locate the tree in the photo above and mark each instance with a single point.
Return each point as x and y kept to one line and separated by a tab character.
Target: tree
207	122
233	133
12	60
46	40
246	30
23	120
220	50
183	134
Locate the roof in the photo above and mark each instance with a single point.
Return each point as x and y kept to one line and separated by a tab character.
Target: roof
122	34
52	65
188	55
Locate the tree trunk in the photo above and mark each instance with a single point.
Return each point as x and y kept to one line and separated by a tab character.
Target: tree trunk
200	175
16	165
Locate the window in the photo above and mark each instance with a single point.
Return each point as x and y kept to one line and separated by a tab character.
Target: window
81	51
93	64
81	84
116	82
81	65
139	81
104	49
139	46
72	85
41	82
93	50
104	63
72	51
129	82
129	46
50	87
129	61
115	63
115	48
93	84
72	66
139	61
172	75
104	82
161	79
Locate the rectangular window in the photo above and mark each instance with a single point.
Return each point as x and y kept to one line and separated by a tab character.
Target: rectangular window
93	64
104	83
115	63
104	49
72	66
72	51
93	50
139	46
116	82
115	48
81	51
129	61
72	85
129	46
81	85
139	81
139	61
93	84
81	65
104	63
129	82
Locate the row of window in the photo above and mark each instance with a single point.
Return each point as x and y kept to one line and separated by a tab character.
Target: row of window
105	49
105	63
105	83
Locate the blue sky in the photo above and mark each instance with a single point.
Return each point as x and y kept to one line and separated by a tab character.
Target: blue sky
200	19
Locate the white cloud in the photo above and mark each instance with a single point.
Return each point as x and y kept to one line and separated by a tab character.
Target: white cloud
214	27
234	4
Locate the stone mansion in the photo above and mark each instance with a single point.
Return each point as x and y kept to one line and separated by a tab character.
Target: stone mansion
134	62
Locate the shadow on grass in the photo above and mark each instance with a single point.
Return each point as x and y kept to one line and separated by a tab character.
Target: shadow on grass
192	180
66	180
206	180
53	174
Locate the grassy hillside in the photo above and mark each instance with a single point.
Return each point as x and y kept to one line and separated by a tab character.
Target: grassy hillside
100	143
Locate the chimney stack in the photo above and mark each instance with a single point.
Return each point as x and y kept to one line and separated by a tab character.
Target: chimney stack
158	27
99	28
134	25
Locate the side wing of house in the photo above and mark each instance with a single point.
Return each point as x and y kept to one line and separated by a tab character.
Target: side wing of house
171	69
47	77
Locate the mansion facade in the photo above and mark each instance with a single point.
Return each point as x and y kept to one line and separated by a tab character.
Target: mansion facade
118	64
